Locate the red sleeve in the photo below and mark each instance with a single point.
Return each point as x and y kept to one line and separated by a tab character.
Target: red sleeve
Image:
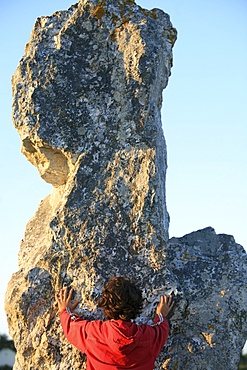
161	328
74	328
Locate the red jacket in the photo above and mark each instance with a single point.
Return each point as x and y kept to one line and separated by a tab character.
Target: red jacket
116	344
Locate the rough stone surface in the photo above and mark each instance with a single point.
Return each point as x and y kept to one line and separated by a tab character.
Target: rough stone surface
87	99
211	271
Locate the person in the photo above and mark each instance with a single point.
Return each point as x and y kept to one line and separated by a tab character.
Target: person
118	342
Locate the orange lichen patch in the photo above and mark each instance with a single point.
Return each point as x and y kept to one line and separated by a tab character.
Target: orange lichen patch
189	348
149	13
211	327
153	12
166	363
172	35
99	11
223	293
129	2
208	337
113	36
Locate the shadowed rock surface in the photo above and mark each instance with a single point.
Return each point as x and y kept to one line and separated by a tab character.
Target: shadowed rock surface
87	100
211	270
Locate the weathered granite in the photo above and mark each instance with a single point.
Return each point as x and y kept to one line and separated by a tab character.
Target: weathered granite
87	99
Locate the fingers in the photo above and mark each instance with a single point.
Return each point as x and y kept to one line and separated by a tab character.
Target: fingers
169	301
162	300
62	295
70	295
166	300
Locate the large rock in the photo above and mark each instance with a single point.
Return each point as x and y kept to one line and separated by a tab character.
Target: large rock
211	270
87	99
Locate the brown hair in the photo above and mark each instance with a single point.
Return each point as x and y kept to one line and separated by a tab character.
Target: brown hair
121	299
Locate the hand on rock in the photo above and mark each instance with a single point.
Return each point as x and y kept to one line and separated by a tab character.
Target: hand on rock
165	305
63	299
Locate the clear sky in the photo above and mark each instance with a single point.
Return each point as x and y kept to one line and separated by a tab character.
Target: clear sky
204	118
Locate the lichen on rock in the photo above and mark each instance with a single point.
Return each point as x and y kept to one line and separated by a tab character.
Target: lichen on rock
212	270
87	99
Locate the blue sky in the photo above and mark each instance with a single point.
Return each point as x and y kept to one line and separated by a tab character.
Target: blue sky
204	118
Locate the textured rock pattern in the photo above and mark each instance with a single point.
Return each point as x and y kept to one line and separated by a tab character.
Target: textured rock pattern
87	99
211	271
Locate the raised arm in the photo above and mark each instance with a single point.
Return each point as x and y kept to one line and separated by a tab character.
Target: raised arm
74	327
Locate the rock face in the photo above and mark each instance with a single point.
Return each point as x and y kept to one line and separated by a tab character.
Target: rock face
211	271
87	99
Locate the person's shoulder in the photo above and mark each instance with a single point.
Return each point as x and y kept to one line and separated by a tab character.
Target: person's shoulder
97	323
97	328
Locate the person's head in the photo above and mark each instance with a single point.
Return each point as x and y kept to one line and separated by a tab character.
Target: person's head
121	299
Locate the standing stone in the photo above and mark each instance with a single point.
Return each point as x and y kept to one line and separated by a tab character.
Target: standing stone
87	100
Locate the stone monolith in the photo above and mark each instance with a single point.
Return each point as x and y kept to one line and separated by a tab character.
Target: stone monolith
87	100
